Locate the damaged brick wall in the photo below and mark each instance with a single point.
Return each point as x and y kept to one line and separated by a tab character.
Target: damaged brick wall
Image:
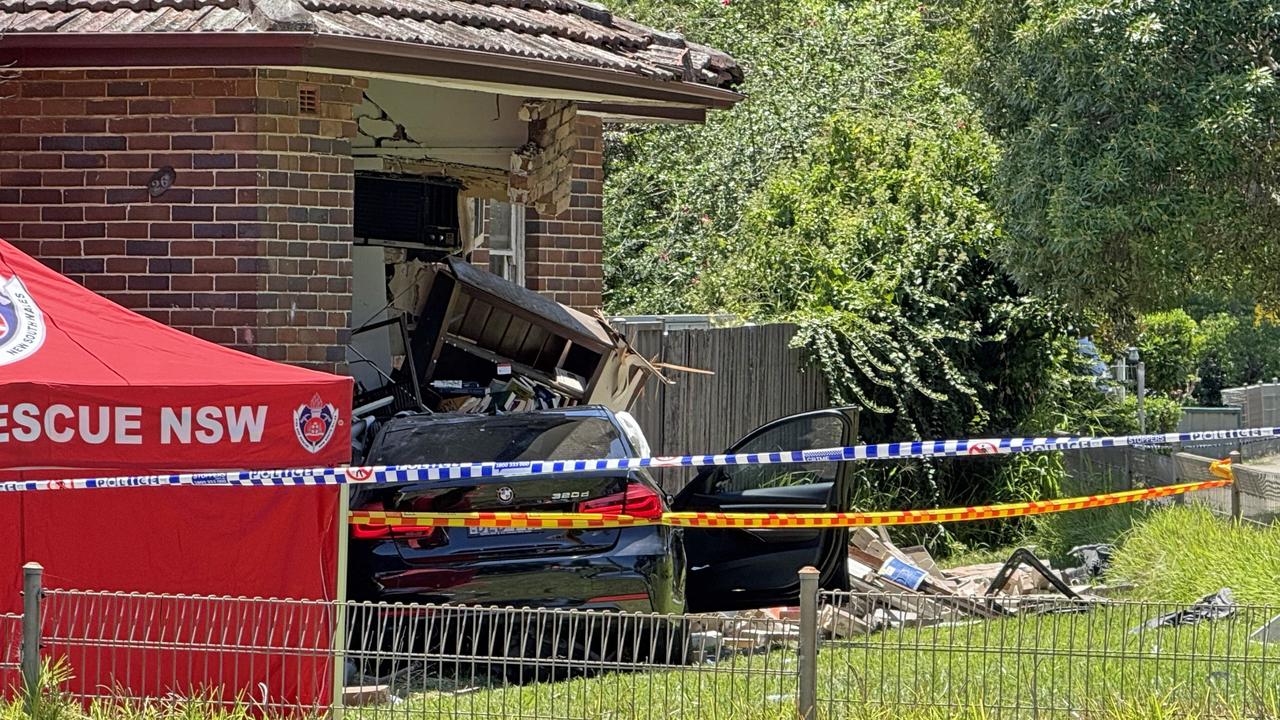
541	172
250	247
564	252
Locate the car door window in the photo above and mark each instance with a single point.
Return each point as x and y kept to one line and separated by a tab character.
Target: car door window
801	433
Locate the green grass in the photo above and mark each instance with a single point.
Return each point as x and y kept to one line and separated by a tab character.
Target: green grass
1056	533
59	709
743	689
976	556
1089	663
1151	707
1058	662
1183	553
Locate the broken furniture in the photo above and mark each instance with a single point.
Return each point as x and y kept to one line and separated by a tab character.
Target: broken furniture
477	329
399	391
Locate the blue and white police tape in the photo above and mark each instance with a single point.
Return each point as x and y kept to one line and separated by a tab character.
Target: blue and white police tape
382	474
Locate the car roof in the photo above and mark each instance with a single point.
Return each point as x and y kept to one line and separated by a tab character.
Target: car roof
423	419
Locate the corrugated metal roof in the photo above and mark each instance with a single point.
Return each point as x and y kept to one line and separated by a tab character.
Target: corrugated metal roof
570	31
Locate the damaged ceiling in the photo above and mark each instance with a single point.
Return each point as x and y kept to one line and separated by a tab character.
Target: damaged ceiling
499	147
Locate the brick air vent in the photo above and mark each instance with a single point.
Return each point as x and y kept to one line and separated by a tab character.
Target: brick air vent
308	100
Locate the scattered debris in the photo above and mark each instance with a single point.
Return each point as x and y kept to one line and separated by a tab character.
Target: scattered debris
363	695
923	560
907	588
719	635
839	623
1094	560
910	589
470	341
1023	556
1269	633
705	645
1217	606
903	573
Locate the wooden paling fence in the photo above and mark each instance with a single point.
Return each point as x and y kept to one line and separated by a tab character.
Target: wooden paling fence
758	377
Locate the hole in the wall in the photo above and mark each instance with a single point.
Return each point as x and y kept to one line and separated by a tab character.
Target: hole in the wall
308	100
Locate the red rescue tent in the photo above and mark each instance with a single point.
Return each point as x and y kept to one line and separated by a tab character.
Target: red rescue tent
91	389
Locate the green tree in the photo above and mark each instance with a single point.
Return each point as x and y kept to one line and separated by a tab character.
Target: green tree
1170	347
674	193
852	193
1216	364
1236	349
877	245
1139	144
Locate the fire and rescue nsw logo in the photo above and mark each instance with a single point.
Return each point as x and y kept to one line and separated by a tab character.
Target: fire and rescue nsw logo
314	423
21	322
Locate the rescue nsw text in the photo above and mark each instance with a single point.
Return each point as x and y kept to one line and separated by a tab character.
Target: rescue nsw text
131	425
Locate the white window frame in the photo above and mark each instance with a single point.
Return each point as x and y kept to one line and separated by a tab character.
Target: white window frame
483	209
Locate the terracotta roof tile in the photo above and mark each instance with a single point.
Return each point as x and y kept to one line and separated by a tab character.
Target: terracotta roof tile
570	31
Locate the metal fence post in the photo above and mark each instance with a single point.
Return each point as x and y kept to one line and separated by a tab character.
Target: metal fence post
807	696
1142	396
339	680
1237	508
32	583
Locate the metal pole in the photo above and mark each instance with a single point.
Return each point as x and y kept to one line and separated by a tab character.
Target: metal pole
1142	395
339	678
1237	508
807	699
32	582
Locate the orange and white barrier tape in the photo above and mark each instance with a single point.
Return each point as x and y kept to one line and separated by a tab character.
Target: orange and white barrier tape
586	521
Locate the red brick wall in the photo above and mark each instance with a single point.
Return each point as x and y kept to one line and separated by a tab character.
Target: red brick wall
249	248
563	255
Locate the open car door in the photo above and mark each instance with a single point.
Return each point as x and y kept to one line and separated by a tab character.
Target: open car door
732	569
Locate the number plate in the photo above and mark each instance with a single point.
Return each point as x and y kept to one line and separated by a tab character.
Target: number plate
488	531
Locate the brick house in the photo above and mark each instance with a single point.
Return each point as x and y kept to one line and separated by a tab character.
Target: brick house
261	173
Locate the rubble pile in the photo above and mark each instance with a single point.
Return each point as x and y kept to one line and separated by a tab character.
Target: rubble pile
896	587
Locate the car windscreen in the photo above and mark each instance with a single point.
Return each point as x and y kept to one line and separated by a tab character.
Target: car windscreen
505	438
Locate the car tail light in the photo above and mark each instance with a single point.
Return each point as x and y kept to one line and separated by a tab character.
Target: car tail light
639	501
363	531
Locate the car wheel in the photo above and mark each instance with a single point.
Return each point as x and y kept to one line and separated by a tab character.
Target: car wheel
561	649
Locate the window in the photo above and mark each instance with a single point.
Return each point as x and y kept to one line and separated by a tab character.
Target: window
502	438
811	431
503	234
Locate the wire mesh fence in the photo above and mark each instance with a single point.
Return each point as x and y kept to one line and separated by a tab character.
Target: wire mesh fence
440	661
279	658
10	652
1254	496
1054	657
1031	656
271	655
